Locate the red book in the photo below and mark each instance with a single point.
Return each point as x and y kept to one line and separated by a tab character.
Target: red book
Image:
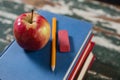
88	68
81	60
89	61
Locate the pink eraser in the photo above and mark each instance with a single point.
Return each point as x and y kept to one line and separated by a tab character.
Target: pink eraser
63	40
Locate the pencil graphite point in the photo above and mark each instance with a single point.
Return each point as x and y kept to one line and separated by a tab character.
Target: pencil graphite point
53	68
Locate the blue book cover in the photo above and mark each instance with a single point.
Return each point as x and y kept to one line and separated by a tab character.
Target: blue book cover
18	64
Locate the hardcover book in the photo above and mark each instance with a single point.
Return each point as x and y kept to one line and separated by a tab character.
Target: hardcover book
85	67
18	64
80	62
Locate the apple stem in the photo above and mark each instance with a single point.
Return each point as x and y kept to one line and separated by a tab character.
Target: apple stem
31	16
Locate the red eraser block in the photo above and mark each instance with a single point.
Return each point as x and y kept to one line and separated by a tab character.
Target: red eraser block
63	40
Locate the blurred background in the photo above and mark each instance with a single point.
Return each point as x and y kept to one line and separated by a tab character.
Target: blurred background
103	14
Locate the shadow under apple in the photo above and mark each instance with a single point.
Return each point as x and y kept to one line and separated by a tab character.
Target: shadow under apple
41	57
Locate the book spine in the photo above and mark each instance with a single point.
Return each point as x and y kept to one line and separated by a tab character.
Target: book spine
81	60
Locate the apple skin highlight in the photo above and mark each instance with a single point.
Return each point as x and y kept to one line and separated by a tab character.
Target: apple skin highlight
31	36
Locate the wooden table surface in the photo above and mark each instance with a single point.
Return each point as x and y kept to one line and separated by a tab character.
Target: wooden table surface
105	17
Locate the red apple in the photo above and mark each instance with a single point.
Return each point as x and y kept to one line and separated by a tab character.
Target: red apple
31	31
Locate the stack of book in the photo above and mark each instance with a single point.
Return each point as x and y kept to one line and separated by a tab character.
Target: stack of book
83	62
18	64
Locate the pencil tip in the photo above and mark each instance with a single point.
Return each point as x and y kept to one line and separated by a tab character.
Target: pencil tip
53	68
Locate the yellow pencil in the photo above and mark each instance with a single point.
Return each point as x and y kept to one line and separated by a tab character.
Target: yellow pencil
53	53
